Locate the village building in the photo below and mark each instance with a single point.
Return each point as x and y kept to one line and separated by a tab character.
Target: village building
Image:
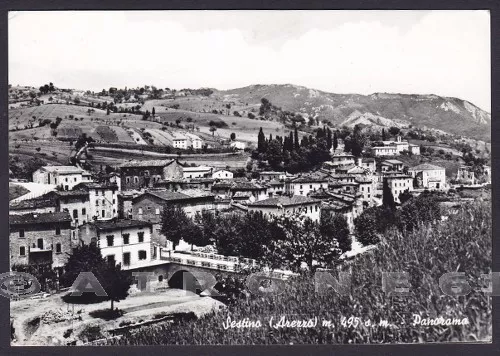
64	177
394	148
149	206
391	165
304	185
227	190
399	183
41	238
429	176
103	200
176	185
275	187
466	174
197	172
238	145
222	174
124	242
277	206
179	140
39	205
367	163
341	159
140	174
194	141
366	189
272	175
384	150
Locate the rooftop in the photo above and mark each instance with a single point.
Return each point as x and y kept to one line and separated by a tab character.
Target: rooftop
63	169
42	218
425	167
44	201
119	224
284	201
197	169
392	161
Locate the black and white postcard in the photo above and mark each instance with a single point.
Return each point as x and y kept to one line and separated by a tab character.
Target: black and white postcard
249	178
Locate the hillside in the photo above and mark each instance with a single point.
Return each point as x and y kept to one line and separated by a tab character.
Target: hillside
452	115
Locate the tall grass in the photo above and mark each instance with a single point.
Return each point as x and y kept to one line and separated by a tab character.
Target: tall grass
462	243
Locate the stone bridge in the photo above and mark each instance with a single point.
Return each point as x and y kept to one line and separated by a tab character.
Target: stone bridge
183	270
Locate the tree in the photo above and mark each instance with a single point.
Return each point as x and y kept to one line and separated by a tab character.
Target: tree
107	111
274	153
302	243
422	209
175	224
296	139
387	196
384	136
178	121
233	136
393	130
261	141
213	129
153	111
88	258
335	141
334	226
372	223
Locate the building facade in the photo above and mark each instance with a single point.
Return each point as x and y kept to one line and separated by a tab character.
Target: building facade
288	205
65	177
144	174
429	176
45	238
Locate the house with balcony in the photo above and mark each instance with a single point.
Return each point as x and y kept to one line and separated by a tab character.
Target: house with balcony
41	239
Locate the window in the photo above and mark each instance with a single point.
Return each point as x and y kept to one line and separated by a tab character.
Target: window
141	236
22	251
126	259
58	248
66	180
139	211
58	230
126	238
75	213
149	208
127	179
75	179
21	233
142	255
84	211
40	244
157	211
310	186
136	180
110	239
97	202
111	259
114	201
103	213
73	233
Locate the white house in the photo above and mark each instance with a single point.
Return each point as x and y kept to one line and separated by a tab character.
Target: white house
429	176
196	172
341	159
305	185
385	150
194	141
125	242
399	183
281	205
222	174
238	145
180	141
103	200
65	177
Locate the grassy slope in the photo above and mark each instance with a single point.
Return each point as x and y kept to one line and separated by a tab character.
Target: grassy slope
463	243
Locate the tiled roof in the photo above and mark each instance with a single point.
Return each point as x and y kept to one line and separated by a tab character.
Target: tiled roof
392	161
63	169
42	218
425	167
72	193
309	179
119	224
284	201
93	185
40	202
197	193
196	169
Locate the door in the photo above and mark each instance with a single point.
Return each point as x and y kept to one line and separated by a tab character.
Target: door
40	244
126	259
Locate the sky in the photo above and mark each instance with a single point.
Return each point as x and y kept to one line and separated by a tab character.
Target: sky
445	53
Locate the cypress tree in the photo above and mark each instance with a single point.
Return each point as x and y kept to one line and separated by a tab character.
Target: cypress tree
387	196
328	138
261	141
335	141
296	139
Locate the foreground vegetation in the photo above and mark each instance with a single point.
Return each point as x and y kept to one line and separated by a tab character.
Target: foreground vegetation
460	244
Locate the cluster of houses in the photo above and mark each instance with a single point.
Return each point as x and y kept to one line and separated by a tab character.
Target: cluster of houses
121	212
395	148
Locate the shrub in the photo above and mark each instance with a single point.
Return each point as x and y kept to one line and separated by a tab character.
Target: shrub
106	314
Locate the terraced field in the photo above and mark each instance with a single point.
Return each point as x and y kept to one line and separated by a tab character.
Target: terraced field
158	137
106	134
122	134
136	137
